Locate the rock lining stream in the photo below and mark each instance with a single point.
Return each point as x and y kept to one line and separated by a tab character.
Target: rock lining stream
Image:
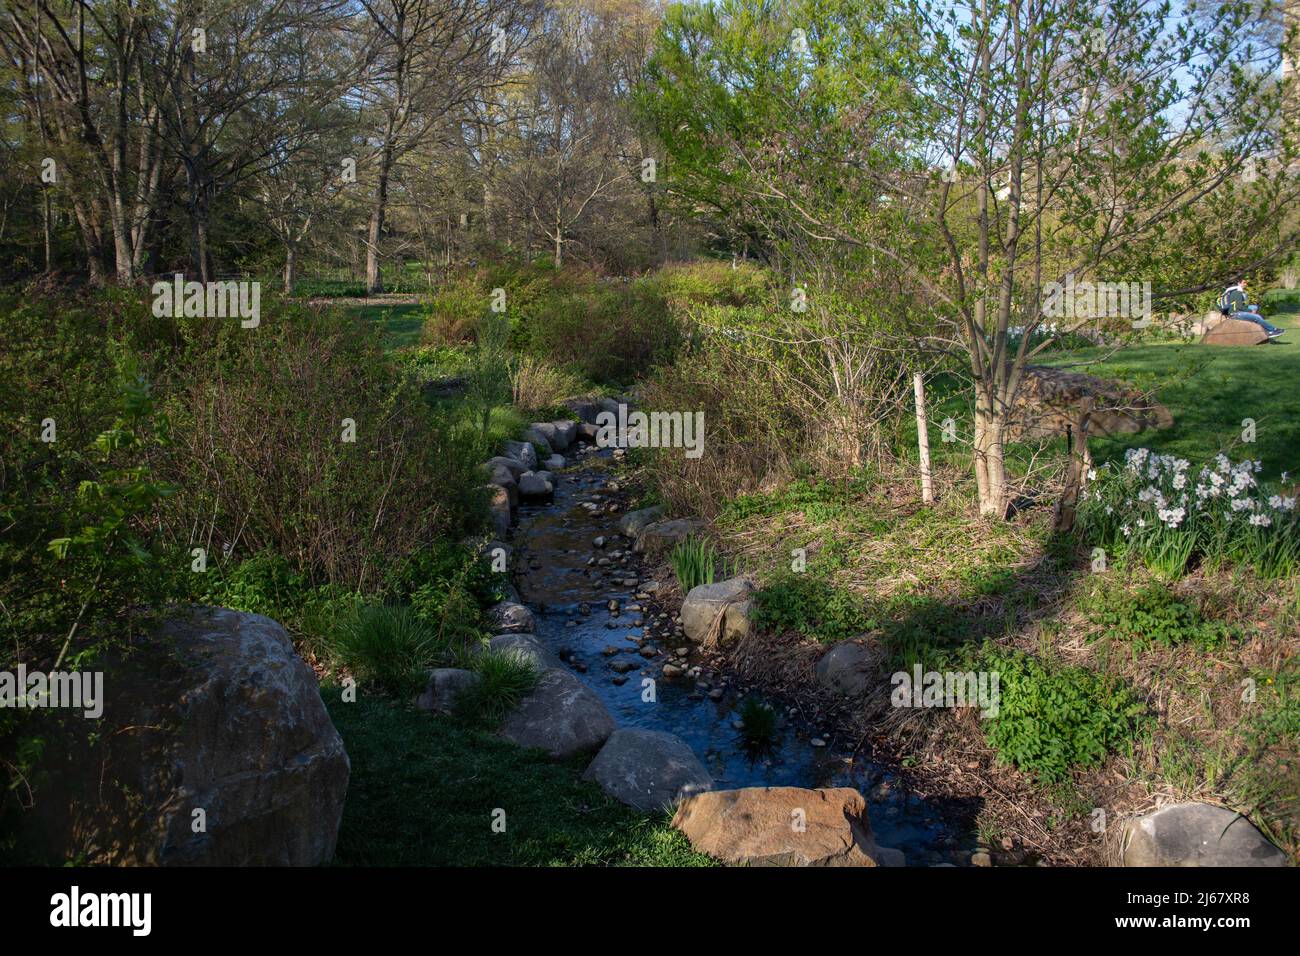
569	598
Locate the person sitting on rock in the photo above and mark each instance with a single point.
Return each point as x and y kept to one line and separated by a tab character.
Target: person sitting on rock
1234	303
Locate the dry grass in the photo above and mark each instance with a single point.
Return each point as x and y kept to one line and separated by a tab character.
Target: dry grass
1202	741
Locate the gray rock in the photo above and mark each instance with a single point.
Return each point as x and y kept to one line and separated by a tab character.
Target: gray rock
538	435
662	535
849	668
534	487
566	433
632	523
554	463
523	452
585	410
588	432
445	686
561	716
510	617
1197	834
515	466
648	769
504	478
526	647
707	604
224	717
499	508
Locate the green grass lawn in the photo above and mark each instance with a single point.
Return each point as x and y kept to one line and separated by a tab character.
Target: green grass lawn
401	323
424	788
1210	390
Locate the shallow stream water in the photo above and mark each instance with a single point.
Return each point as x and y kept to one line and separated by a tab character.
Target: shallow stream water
569	598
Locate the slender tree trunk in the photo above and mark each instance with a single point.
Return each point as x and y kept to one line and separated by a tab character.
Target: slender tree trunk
923	439
290	267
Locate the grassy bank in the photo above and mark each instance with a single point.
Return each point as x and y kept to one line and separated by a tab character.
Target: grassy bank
424	791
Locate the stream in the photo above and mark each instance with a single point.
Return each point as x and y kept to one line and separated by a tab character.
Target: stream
569	598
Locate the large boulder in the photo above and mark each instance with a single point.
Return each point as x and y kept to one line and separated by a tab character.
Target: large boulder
634	522
535	486
510	616
218	722
662	535
1197	834
499	509
648	769
849	668
561	715
566	433
526	648
540	435
1236	332
783	826
445	686
523	452
514	465
718	611
584	409
1052	399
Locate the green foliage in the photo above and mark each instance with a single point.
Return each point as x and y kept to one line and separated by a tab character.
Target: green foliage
1153	615
695	561
811	606
1052	720
504	680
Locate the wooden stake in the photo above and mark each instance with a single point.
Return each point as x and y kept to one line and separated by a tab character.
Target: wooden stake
923	439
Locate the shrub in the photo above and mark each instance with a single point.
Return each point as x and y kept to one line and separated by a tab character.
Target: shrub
387	646
538	387
1053	720
453	312
811	606
1153	615
260	460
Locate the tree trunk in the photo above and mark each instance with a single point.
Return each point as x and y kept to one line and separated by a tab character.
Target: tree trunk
374	281
290	268
922	439
990	465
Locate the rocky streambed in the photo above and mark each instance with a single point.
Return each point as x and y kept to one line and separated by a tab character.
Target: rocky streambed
595	611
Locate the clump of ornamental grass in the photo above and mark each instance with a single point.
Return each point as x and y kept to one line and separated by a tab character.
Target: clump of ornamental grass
695	561
1158	509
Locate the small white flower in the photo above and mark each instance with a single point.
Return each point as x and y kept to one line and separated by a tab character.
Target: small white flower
1260	521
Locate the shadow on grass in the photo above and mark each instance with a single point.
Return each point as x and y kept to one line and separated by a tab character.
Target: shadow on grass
425	791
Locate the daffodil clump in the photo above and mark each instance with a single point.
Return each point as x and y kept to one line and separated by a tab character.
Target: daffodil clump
1161	510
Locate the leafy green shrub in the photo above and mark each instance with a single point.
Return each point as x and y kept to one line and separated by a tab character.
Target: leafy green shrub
695	561
1052	720
453	313
387	646
917	628
504	680
811	606
1153	615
